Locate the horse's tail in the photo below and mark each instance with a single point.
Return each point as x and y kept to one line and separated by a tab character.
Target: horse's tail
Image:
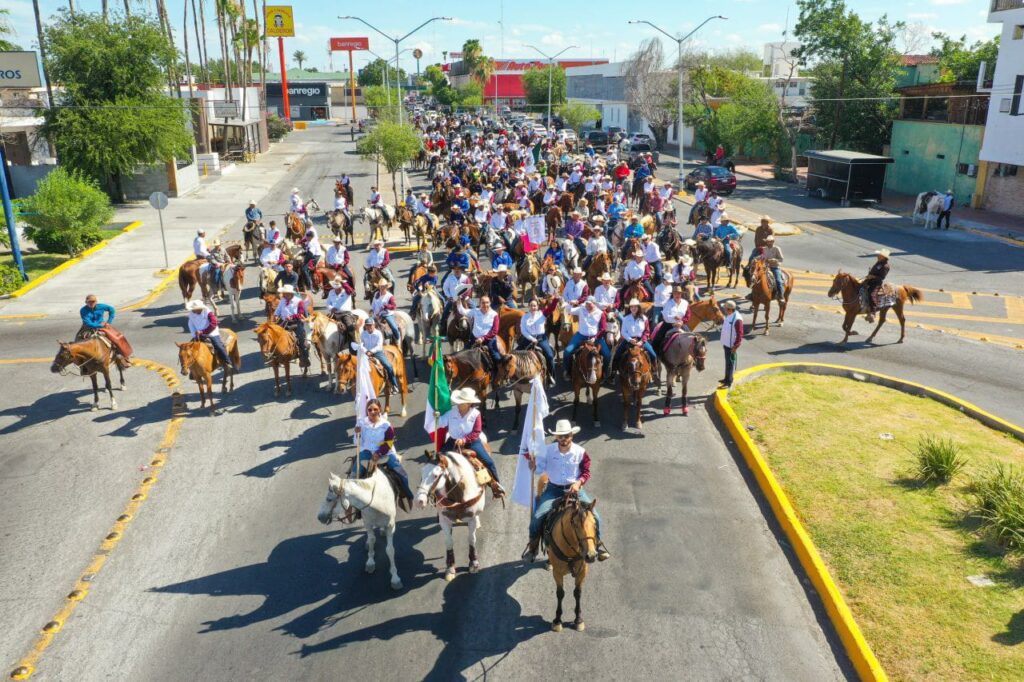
184	283
913	294
236	358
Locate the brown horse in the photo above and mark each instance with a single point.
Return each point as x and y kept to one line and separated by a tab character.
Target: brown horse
848	287
634	375
599	264
703	311
279	348
681	353
198	361
91	357
587	372
465	369
518	373
553	219
508	325
762	289
405	222
188	277
417	271
296	226
571	543
348	363
527	276
711	253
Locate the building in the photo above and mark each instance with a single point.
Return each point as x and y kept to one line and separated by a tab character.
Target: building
917	69
308	100
338	83
778	61
29	156
1000	184
936	139
506	83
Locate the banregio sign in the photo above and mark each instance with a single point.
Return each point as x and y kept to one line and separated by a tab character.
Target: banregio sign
19	69
312	94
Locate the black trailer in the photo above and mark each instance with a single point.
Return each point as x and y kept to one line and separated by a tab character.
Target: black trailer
846	176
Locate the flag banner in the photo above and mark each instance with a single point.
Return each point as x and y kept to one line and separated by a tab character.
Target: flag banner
536	231
532	441
364	385
438	397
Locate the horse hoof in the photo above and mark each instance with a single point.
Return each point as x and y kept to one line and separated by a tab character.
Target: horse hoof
686	411
474	567
667	411
403	413
96	408
556	627
449	576
370	568
123	388
396	584
113	405
580	626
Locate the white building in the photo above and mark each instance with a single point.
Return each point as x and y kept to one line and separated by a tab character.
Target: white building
778	59
1000	177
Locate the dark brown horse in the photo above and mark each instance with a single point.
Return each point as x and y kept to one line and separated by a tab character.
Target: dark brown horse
198	361
635	373
762	288
711	253
91	357
587	373
847	286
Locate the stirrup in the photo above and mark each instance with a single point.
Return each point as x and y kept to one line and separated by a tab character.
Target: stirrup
602	552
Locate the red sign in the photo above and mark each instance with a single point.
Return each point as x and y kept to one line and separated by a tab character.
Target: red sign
343	44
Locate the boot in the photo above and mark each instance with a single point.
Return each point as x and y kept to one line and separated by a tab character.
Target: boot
496	489
602	552
531	551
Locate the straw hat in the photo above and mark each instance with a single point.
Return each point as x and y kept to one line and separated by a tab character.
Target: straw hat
668	278
564	428
195	306
377	242
295	190
337	283
724	217
464	396
597	218
690	242
577	271
383	283
633	302
606	277
884	253
729	305
286	289
687	259
502	268
770	238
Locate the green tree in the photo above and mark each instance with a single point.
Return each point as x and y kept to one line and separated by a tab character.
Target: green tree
469	95
373	73
378	102
535	83
739	59
66	212
479	65
6	30
392	145
577	114
959	61
299	56
749	121
113	114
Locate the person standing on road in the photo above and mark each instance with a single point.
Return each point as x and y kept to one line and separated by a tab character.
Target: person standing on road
732	337
947	210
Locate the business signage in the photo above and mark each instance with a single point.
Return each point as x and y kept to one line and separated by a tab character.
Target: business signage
344	44
19	69
279	21
455	55
301	93
225	109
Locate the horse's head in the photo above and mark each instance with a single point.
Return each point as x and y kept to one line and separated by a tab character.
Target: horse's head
267	340
62	359
584	526
699	350
838	282
434	469
346	370
186	357
333	497
588	361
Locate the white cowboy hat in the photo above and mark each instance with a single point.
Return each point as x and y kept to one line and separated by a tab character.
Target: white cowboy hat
730	304
216	242
195	306
700	183
668	278
633	302
286	289
724	217
499	246
606	277
591	299
462	288
200	231
383	282
502	268
295	190
377	242
564	428
884	253
686	259
464	396
770	238
252	202
369	320
597	217
577	271
337	282
337	240
689	242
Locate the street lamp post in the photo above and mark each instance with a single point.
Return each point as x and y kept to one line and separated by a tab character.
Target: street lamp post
679	93
387	63
551	68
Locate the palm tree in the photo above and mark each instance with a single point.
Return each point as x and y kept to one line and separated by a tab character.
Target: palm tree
6	30
300	57
42	51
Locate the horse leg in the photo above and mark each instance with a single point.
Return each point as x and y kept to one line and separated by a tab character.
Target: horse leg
593	402
848	326
288	377
577	593
556	624
638	397
898	309
209	388
277	380
389	548
110	388
575	402
371	549
474	561
685	379
881	320
449	546
95	393
670	380
120	375
767	317
753	322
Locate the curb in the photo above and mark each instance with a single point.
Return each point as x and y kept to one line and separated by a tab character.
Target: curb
154	293
46	276
857	648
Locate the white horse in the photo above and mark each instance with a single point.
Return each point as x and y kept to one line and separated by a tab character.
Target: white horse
234	276
927	207
375	499
382	217
326	337
451	483
428	317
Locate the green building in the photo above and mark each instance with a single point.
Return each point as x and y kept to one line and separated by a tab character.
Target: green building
917	69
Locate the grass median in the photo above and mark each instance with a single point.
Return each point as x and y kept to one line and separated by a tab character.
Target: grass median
901	552
39	263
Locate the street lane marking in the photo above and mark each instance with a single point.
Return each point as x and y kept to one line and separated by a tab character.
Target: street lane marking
21	361
24	316
26	667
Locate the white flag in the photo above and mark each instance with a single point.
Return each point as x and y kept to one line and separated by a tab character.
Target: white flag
536	230
532	441
364	385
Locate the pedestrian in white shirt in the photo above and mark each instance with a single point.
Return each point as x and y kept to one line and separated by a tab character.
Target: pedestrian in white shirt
199	245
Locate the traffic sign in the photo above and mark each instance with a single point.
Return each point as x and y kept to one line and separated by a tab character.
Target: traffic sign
158	200
279	21
344	44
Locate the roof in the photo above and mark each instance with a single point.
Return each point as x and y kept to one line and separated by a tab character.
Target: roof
844	156
917	59
304	75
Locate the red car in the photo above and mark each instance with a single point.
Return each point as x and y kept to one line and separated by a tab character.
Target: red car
714	177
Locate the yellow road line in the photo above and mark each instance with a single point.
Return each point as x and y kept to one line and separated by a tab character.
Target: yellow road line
24	316
983	233
958	299
28	664
1015	309
21	361
154	293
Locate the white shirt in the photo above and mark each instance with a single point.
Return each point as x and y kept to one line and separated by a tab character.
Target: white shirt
633	327
674	312
700	195
285	309
589	322
532	325
373	342
498	220
314	247
421	207
573	290
198	321
563	469
652	252
452	283
339	300
560	184
275	237
662	294
336	255
633	271
481	215
605	295
482	322
375	259
597	244
270	257
379	301
666	194
461	425
296	202
371	436
728	336
199	247
374	197
340	202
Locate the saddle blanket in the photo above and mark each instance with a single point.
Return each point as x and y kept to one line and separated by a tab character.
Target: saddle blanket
884	296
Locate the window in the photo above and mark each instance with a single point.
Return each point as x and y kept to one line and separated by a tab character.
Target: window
1015	101
940	156
1003	170
962	168
1018	32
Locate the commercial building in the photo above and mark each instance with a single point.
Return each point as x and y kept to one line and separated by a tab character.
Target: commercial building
506	82
29	156
308	100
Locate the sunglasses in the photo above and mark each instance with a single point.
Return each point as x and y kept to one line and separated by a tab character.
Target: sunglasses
373	411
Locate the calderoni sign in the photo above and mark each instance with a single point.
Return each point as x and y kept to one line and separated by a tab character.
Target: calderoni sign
19	69
301	93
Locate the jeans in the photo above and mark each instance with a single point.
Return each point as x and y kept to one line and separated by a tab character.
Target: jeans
445	314
659	272
623	345
389	320
299	329
492	347
552	493
943	215
575	342
391	462
544	346
655	315
779	289
730	364
389	371
218	347
727	243
477	447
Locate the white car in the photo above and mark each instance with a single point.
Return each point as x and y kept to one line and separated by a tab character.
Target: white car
635	138
567	134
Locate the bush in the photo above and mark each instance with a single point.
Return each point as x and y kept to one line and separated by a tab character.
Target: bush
938	459
66	213
277	127
999	500
10	279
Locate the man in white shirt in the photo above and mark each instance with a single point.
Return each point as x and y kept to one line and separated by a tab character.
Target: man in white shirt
652	255
337	258
576	290
199	245
485	322
375	198
455	280
592	322
340	298
605	295
662	295
296	201
271	257
372	340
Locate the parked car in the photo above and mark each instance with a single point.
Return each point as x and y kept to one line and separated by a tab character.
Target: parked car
717	178
631	150
598	139
640	137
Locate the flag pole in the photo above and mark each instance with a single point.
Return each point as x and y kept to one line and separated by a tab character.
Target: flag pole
437	413
533	469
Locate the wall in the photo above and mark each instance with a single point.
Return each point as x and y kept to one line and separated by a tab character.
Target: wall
920	170
167	178
595	86
25	178
1004	194
1004	133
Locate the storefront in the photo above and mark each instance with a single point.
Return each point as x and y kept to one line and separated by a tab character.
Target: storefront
308	101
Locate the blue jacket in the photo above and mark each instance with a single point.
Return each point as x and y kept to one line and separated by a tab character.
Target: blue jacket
616	210
555	254
94	318
641	172
728	231
455	258
423	281
501	258
634	230
253	214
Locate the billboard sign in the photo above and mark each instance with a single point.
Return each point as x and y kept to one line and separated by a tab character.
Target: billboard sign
344	44
19	69
279	21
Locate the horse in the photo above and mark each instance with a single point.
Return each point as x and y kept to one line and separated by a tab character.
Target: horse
188	277
671	244
253	236
680	353
279	347
465	368
341	225
553	219
380	218
428	318
571	541
326	337
599	264
235	276
635	372
711	253
348	364
762	289
527	276
928	206
701	212
508	324
449	482
378	509
703	311
517	374
91	357
198	361
423	226
587	372
405	222
848	287
459	332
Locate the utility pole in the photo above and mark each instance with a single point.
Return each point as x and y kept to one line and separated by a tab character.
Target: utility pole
551	71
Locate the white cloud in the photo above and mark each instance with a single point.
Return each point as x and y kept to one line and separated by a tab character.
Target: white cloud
772	27
554	39
734	38
948	2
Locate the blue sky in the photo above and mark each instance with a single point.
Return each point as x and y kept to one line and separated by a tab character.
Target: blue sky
598	28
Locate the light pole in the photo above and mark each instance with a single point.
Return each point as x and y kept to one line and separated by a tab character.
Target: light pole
387	62
551	69
679	102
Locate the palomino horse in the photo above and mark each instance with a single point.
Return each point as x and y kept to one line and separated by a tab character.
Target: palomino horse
599	264
91	357
347	367
848	287
374	498
587	372
325	335
571	542
528	275
635	372
680	354
762	289
198	361
705	311
450	484
424	226
279	348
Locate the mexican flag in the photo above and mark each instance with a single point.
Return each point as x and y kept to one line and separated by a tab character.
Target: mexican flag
438	398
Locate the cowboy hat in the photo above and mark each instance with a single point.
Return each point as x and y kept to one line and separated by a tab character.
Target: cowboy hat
200	231
377	242
462	288
295	190
633	302
687	259
770	238
464	396
724	217
195	306
216	242
606	277
577	271
502	268
286	289
337	282
668	278
337	240
591	299
689	242
383	282
369	320
252	202
766	219
700	183
597	218
499	247
730	304
564	428
884	253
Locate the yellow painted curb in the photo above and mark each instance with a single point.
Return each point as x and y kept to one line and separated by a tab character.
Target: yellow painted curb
46	276
154	293
857	648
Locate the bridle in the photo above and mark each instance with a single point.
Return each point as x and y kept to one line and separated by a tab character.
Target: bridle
68	358
333	496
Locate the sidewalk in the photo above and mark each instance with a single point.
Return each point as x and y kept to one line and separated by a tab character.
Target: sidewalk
132	265
990	224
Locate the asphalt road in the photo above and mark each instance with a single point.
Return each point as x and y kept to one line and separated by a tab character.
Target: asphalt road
224	572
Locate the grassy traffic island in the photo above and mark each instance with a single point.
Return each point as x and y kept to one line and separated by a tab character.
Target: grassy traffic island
40	262
854	459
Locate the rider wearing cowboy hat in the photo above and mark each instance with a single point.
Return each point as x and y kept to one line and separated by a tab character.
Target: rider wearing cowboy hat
876	276
340	298
383	306
606	295
203	325
500	257
674	315
291	314
465	430
636	331
338	256
373	343
533	333
567	465
502	292
592	322
379	258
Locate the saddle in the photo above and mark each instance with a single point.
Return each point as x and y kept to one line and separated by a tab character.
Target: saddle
483	476
884	296
394	480
671	334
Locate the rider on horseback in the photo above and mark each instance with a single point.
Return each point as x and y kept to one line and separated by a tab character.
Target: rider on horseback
636	330
500	257
291	314
533	332
199	245
567	465
592	322
606	295
383	306
637	270
287	276
455	284
876	276
465	430
485	324
420	285
379	258
340	298
376	439
502	292
203	325
218	259
674	315
634	230
772	257
373	343
337	258
94	324
727	232
652	254
253	215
